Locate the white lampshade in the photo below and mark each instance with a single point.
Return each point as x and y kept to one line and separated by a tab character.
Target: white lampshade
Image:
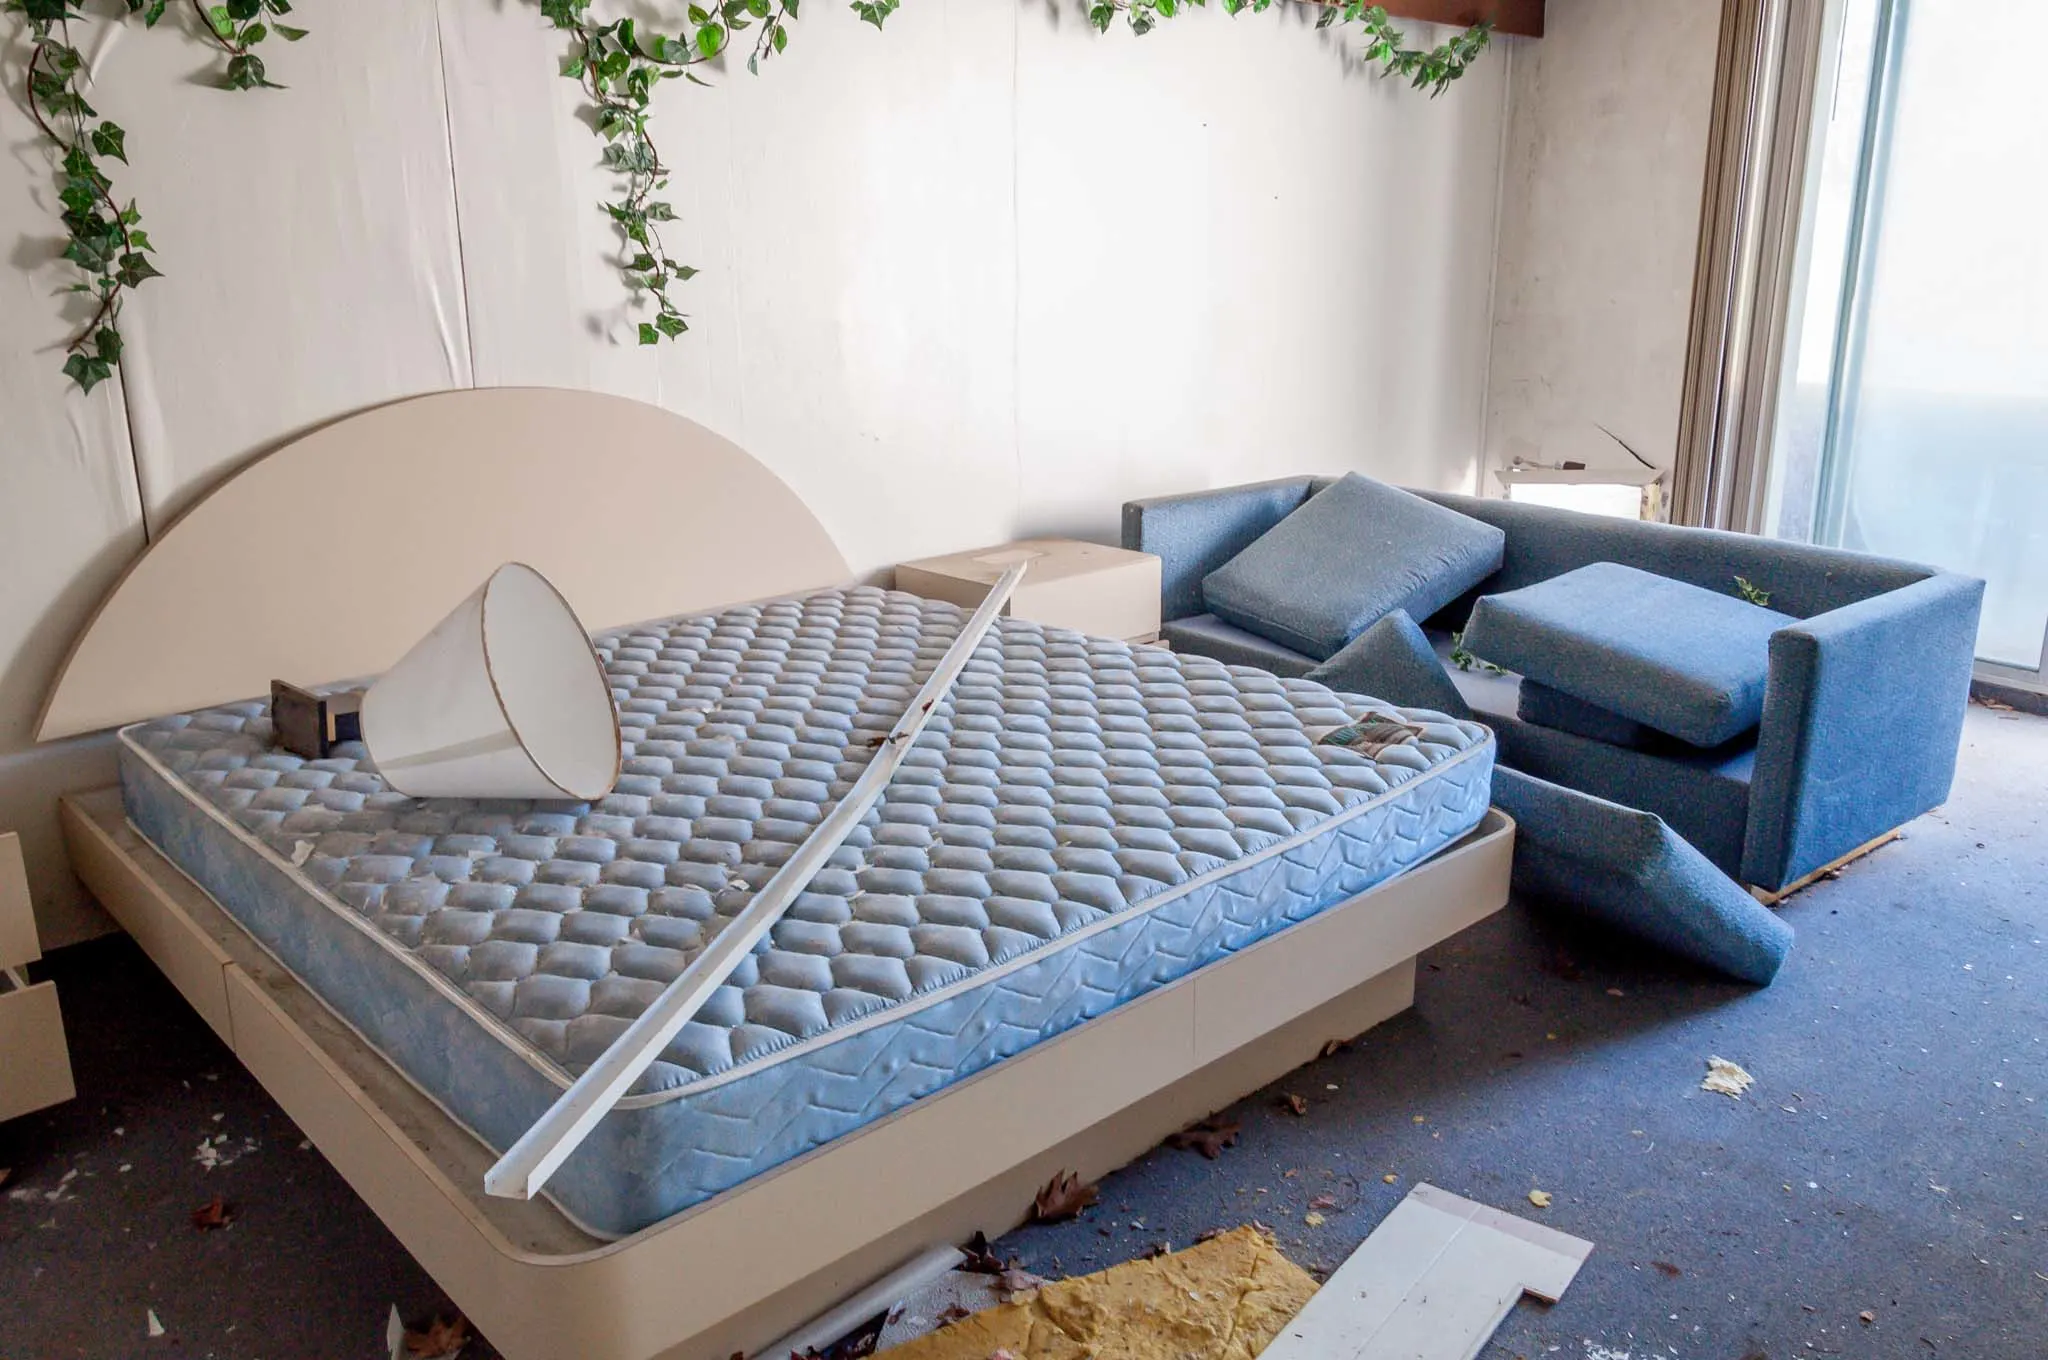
505	698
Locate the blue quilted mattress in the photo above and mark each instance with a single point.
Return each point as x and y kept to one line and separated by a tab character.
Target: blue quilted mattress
1082	822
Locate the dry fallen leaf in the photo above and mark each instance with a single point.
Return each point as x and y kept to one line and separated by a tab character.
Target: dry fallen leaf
1313	1219
1540	1198
215	1213
1725	1078
1209	1137
443	1339
1155	1251
951	1313
1323	1202
1292	1103
1668	1269
981	1260
1866	1317
1063	1197
1334	1047
1017	1280
1390	1178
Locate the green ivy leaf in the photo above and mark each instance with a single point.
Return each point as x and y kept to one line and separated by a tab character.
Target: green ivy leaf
88	371
649	335
109	140
288	33
136	269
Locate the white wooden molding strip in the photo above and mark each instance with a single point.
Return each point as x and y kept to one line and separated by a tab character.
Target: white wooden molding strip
1433	1282
525	1168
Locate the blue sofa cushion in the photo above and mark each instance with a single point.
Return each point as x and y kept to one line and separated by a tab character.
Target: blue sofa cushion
1630	870
1674	657
1546	707
1392	660
1353	553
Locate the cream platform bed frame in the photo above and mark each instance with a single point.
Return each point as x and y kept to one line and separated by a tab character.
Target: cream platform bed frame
205	616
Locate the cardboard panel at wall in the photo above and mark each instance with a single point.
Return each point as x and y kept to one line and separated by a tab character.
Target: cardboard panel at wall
307	237
1243	255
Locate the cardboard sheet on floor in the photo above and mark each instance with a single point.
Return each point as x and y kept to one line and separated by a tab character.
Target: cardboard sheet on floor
1223	1299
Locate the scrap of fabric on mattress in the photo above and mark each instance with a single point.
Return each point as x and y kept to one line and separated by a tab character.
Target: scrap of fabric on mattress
1083	822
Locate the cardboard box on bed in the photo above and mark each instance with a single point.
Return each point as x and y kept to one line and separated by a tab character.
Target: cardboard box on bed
1104	592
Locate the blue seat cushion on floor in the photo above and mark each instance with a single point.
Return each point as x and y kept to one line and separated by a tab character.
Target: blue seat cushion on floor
1702	795
1207	635
1392	660
1546	707
1674	657
1628	869
1353	553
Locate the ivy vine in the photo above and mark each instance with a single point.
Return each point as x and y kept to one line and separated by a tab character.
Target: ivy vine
107	242
1385	46
236	28
617	64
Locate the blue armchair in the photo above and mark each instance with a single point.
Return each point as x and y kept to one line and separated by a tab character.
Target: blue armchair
1863	709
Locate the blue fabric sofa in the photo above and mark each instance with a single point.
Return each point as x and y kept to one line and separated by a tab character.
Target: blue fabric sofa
1863	706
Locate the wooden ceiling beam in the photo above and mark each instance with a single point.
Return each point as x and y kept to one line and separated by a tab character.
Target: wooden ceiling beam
1524	18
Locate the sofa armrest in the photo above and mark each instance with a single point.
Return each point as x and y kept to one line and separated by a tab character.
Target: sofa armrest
1863	714
1196	533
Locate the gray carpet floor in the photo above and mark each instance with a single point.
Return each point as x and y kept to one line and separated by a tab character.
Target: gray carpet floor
1879	1191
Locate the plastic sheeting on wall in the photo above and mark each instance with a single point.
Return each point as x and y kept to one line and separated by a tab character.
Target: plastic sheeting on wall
1243	255
69	516
307	238
851	210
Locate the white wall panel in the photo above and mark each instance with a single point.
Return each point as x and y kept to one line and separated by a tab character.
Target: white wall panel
1600	204
1244	256
69	519
307	236
872	267
849	209
545	301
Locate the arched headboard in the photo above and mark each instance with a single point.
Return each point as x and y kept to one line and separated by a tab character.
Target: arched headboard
327	559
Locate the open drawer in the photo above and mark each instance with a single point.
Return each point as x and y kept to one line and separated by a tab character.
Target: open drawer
35	1064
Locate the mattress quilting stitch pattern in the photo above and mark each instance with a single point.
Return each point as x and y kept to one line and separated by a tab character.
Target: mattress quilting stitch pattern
1067	783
